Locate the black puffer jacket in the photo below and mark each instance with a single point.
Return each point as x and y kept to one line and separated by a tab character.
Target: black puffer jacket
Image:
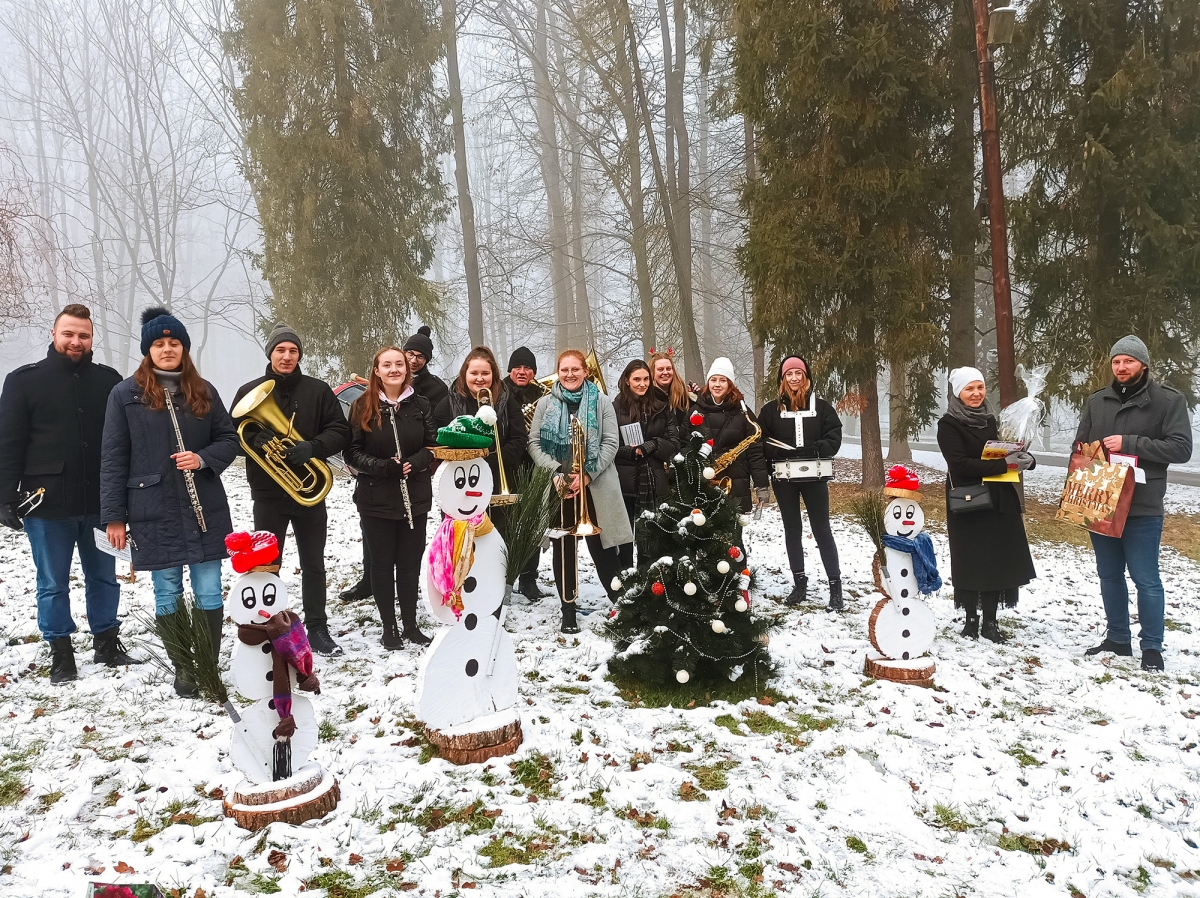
51	427
680	415
644	477
140	485
510	421
432	389
377	489
822	432
727	425
319	420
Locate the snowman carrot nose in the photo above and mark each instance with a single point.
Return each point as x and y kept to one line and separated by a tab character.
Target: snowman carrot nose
262	613
474	493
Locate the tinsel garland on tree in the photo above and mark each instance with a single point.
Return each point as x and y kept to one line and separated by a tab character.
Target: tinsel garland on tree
684	612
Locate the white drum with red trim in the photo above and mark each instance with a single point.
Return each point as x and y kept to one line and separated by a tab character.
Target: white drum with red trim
803	469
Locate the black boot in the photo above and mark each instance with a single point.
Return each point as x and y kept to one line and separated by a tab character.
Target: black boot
799	593
109	651
971	605
1124	649
391	639
528	586
356	593
835	596
408	614
569	623
320	640
988	629
62	660
168	627
216	621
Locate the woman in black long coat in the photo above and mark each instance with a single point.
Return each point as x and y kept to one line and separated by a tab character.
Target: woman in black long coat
989	553
390	412
145	498
642	466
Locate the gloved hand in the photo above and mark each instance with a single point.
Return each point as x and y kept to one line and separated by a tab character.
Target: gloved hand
395	469
764	494
1023	460
299	454
9	518
261	437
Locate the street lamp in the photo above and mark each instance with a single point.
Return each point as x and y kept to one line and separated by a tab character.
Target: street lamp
994	29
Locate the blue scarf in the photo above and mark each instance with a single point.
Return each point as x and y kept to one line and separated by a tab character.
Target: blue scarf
555	435
920	547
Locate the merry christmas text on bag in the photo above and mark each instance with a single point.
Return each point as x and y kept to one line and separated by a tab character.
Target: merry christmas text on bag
1098	493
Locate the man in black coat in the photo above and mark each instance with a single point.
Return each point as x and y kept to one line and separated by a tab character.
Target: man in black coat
1136	416
522	382
418	350
319	420
51	424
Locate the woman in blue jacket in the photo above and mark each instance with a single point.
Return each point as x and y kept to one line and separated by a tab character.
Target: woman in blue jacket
163	500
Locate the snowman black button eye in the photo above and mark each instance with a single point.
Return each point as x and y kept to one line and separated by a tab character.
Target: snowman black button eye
248	597
269	594
473	478
896	512
903	572
469	585
460	477
912	512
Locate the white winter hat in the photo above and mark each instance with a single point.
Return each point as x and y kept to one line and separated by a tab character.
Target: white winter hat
961	377
723	367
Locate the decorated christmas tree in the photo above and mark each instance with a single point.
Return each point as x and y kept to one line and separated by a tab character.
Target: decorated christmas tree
684	612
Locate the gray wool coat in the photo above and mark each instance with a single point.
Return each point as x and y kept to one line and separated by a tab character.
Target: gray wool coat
605	486
1153	425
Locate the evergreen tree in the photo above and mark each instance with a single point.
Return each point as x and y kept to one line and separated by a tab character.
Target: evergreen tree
684	613
343	126
1103	109
841	248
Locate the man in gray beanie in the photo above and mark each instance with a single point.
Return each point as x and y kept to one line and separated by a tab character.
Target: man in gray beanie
320	430
1140	417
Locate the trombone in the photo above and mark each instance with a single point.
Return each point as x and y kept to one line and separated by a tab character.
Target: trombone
504	497
583	519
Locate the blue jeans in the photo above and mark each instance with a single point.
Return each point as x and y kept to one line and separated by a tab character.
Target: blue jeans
53	541
1137	549
206	587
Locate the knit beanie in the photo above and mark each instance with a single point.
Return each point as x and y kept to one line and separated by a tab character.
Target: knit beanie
792	362
1133	347
960	377
283	333
421	342
723	367
157	323
522	357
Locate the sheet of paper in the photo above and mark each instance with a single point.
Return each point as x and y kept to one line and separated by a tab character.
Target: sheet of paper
631	434
103	545
1120	458
1010	476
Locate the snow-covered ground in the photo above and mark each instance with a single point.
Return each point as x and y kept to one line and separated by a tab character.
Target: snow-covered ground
1028	771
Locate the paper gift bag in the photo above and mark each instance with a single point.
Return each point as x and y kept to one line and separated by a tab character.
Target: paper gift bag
1098	492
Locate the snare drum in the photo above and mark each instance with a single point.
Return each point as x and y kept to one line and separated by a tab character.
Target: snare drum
803	469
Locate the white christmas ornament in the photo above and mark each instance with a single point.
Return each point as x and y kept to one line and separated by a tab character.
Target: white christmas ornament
718	625
689	588
744	519
722	566
616	583
708	473
741	605
682	676
698	518
677	458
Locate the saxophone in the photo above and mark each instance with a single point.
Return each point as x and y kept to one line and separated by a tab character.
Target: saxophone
728	457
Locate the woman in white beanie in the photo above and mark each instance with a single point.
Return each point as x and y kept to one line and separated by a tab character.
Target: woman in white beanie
726	424
989	553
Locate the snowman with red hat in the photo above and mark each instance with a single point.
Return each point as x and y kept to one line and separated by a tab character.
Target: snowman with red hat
272	659
902	626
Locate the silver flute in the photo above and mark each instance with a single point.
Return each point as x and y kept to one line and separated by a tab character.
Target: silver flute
403	476
188	477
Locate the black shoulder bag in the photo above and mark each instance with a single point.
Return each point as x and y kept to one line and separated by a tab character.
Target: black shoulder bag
966	499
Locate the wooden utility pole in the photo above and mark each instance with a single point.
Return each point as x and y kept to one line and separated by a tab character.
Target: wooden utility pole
993	180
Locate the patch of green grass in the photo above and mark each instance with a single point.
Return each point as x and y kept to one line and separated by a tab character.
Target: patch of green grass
821	806
1022	755
536	773
342	884
730	723
47	801
577	737
353	712
1143	810
808	722
326	731
947	816
12	788
854	843
474	817
1031	844
763	724
1141	880
570	690
1177	625
712	776
640	695
510	849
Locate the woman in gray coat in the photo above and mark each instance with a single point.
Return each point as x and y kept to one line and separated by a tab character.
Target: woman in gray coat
575	398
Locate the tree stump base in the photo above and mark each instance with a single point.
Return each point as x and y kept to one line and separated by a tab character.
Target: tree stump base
478	740
913	672
309	794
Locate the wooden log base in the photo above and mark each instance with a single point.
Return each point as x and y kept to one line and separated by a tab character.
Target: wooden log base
310	794
871	621
475	748
914	672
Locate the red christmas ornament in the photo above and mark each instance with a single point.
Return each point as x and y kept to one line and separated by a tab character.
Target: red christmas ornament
696	419
658	589
735	553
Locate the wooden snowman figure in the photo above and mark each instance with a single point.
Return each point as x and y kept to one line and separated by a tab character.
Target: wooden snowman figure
467	683
902	625
273	737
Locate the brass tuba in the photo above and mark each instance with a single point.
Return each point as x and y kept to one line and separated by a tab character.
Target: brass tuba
258	408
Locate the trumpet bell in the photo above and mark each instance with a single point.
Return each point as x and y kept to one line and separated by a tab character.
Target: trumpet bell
307	485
